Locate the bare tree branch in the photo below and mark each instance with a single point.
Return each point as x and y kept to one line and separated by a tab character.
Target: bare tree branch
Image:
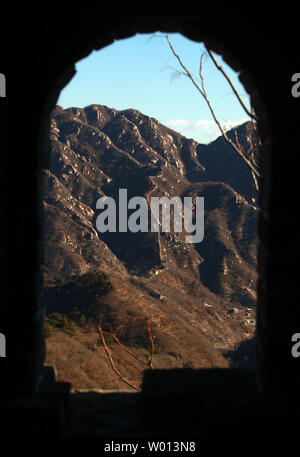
222	130
247	158
151	343
114	368
126	349
186	71
220	68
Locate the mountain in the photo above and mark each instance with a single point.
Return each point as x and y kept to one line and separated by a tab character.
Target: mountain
195	295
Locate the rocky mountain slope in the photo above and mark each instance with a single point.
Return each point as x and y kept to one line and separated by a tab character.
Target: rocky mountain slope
198	297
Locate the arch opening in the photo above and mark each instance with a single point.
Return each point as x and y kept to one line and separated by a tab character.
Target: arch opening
133	285
254	55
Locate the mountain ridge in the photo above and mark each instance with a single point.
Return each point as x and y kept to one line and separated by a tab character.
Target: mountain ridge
98	150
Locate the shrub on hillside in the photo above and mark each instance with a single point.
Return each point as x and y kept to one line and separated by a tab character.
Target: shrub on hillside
61	322
81	297
47	332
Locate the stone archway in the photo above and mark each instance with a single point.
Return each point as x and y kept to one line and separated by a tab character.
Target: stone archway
45	73
219	45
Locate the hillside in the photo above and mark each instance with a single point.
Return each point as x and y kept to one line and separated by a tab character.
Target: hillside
195	295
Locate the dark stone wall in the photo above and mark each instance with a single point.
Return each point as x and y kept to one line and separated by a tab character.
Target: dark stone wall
38	53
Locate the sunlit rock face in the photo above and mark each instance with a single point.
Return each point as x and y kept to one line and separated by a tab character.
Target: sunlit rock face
96	151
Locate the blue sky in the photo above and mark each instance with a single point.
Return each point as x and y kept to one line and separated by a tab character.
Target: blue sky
138	72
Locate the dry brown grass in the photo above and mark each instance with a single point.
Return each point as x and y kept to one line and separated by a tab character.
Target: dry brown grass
185	333
81	360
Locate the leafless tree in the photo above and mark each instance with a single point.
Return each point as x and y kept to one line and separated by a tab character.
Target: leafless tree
250	155
111	361
110	358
